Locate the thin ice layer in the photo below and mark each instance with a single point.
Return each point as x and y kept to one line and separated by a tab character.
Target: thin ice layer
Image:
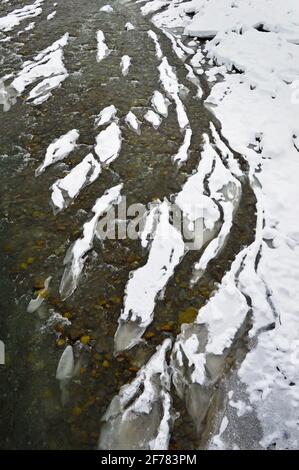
106	115
103	50
154	37
183	154
160	103
47	65
133	122
145	283
153	118
141	416
192	199
67	188
173	88
66	365
13	19
108	144
75	257
226	190
59	149
125	64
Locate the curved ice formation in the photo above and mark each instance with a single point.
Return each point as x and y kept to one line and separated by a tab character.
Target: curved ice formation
198	356
160	103
65	368
103	50
141	415
182	154
154	37
166	251
125	64
172	87
48	64
106	115
192	200
225	189
58	150
67	188
34	304
75	256
13	19
133	122
108	144
153	118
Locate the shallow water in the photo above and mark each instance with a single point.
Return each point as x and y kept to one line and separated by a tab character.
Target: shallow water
35	411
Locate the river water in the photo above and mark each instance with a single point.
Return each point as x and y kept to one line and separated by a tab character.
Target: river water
35	411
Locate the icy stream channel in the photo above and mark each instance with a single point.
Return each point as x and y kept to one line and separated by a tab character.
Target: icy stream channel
126	342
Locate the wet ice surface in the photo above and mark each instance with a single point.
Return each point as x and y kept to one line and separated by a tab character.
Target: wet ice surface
14	17
106	123
75	257
140	417
68	188
48	64
145	284
58	150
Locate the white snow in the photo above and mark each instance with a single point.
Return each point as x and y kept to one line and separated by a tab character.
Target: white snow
166	251
133	122
192	199
103	50
224	313
125	64
51	16
259	114
153	118
176	48
106	115
108	144
106	8
75	257
182	154
172	87
154	37
48	64
141	420
129	26
86	172
13	19
30	26
160	103
59	149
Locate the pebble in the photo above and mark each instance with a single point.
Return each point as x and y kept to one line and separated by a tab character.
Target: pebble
167	327
187	316
149	335
85	339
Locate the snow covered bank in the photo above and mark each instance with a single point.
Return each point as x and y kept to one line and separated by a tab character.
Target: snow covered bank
259	112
